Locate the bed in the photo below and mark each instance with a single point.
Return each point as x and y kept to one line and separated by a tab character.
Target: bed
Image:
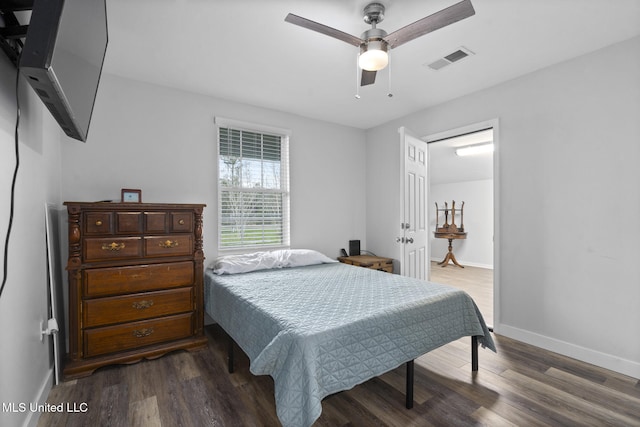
319	327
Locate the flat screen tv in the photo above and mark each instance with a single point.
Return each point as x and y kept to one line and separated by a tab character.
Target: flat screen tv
62	59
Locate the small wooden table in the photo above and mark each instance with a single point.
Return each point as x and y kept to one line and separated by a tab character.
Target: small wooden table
369	261
450	256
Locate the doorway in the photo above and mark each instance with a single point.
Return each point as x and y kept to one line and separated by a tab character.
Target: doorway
469	179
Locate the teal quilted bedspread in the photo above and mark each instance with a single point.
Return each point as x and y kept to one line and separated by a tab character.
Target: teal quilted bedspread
325	328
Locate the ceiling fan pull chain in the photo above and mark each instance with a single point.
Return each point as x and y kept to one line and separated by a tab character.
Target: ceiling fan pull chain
357	76
389	94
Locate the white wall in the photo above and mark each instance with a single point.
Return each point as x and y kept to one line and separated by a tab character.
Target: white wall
383	191
568	196
163	141
477	249
26	369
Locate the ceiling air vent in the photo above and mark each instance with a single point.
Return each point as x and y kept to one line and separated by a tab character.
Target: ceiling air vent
450	58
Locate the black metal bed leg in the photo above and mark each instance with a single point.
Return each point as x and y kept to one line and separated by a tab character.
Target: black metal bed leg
409	385
474	353
230	354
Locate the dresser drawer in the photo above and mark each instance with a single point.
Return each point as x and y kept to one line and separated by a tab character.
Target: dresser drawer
127	308
170	245
128	222
112	248
111	339
98	223
106	223
181	222
177	222
125	280
155	222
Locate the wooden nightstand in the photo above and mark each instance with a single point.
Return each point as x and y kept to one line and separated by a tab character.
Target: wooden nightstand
368	261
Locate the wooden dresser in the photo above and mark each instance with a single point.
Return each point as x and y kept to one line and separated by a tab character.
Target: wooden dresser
135	282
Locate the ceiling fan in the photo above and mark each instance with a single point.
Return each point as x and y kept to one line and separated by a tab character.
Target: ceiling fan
375	42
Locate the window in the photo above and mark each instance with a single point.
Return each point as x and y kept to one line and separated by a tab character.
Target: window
253	186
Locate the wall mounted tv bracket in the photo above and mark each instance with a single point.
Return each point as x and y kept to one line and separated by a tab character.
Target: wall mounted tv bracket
12	32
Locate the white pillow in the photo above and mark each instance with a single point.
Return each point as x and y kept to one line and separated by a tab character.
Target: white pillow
244	263
302	257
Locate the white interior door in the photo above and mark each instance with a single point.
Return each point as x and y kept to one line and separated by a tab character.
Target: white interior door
413	236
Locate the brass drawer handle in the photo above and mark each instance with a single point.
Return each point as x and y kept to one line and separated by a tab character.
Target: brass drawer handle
98	223
141	305
113	246
141	333
181	222
168	244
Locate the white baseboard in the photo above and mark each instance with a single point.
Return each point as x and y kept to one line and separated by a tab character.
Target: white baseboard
41	398
470	264
603	360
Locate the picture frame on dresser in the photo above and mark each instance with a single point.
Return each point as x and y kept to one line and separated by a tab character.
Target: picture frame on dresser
131	195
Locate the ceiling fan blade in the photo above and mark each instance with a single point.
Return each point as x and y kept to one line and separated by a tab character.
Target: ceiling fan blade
438	20
323	29
368	78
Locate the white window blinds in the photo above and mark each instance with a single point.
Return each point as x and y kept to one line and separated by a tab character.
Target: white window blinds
253	188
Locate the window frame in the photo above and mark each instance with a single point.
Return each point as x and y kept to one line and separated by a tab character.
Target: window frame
284	134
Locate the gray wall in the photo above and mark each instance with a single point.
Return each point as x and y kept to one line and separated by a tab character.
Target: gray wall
567	196
26	367
477	249
567	200
163	141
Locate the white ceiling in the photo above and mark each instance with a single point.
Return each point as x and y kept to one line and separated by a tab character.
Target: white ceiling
243	50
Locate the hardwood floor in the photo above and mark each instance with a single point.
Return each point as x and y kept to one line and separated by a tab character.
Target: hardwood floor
519	386
477	282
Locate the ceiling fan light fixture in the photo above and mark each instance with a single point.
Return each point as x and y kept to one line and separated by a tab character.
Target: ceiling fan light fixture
374	56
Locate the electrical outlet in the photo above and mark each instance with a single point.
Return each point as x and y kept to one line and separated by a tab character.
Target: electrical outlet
51	327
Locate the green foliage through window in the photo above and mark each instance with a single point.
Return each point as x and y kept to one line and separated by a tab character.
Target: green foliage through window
253	189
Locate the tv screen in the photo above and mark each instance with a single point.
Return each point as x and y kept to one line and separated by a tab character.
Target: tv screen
62	59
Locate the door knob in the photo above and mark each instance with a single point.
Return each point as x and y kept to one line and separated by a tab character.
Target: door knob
409	240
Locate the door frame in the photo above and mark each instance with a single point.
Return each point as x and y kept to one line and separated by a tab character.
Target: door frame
474	127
